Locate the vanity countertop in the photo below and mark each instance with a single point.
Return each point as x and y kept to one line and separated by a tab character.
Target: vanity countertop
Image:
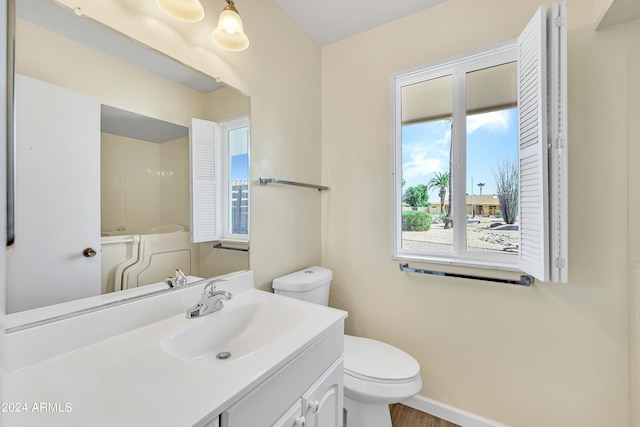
130	380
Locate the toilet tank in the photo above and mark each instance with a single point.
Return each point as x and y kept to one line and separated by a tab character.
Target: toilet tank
311	284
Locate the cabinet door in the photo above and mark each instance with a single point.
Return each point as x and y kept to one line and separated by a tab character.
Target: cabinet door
292	418
322	404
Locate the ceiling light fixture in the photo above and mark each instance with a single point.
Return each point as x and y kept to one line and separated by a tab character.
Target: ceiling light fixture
229	33
182	10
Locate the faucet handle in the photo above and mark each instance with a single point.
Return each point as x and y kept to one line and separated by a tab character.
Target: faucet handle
179	279
211	286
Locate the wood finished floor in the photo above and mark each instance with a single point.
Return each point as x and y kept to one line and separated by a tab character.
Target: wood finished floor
404	416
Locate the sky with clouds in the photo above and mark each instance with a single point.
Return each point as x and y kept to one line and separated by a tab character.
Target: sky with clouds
491	139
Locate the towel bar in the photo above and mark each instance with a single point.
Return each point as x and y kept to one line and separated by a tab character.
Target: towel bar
525	280
265	181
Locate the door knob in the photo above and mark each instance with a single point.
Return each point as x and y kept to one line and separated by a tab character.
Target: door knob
89	252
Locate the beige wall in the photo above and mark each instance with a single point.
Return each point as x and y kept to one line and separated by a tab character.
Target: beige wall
143	184
175	200
549	355
225	103
136	161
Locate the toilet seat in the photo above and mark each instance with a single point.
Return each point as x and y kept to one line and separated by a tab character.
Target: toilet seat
375	361
378	373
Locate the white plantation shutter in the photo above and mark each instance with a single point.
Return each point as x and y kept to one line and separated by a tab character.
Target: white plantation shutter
204	160
532	137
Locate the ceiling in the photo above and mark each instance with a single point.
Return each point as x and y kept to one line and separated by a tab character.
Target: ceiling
131	125
329	21
619	11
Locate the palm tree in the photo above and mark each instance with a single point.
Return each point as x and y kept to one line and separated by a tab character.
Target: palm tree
441	182
481	184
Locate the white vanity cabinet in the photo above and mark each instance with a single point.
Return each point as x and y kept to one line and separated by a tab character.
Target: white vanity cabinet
306	392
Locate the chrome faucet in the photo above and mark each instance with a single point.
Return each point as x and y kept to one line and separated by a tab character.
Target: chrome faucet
211	300
177	281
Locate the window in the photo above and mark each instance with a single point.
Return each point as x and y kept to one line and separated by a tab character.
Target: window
219	154
235	146
479	155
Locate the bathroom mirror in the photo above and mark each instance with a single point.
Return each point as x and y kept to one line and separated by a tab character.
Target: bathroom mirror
136	186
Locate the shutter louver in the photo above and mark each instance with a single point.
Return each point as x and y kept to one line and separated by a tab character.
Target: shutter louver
204	161
532	137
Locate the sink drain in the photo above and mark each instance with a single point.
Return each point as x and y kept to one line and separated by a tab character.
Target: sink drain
223	355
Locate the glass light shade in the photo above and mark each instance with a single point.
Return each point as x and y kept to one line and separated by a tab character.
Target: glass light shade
182	10
229	33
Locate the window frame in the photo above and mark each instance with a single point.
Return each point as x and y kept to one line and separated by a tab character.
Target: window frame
457	67
553	138
225	127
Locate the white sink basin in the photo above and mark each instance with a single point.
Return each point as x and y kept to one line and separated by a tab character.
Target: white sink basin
233	332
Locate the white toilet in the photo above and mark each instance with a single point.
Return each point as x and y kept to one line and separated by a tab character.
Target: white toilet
375	374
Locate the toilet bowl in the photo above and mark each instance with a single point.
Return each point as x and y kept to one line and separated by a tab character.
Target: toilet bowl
376	374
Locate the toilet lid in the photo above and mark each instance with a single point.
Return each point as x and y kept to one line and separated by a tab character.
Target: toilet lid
373	360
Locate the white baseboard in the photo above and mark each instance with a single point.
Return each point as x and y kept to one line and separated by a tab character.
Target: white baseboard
449	413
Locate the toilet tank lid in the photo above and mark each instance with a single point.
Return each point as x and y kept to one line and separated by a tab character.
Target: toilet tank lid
303	280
